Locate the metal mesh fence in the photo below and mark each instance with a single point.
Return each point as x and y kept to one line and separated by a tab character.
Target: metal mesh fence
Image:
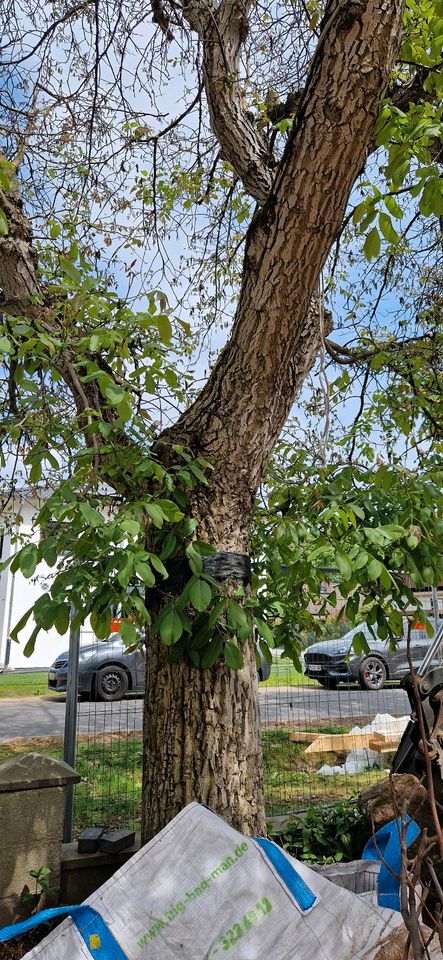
109	735
313	750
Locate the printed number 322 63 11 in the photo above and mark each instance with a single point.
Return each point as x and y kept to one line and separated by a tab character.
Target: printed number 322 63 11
249	919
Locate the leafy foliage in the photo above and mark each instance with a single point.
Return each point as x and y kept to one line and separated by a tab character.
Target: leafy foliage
368	535
122	190
327	834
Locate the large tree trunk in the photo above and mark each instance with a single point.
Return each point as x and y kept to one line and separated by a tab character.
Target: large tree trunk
201	729
202	742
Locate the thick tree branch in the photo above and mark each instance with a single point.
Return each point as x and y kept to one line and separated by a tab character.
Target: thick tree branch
223	32
276	337
19	285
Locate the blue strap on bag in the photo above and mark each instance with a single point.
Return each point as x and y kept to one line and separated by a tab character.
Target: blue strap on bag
385	846
99	940
303	894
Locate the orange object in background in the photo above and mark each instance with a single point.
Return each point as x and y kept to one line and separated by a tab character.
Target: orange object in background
116	621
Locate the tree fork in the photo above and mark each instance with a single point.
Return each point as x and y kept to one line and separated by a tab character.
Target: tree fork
192	716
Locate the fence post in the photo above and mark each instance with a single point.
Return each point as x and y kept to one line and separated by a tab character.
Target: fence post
71	723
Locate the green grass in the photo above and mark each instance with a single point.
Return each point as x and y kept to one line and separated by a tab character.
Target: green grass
33	684
112	766
284	674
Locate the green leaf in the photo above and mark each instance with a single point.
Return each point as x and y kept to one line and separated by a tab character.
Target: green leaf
155	513
21	623
111	391
266	651
394	208
70	270
158	565
91	515
232	655
360	560
374	569
45	611
195	469
359	643
35	471
164	326
431	201
211	653
385	577
124	409
131	526
194	559
28	560
203	548
128	633
28	649
169	626
371	248
344	565
61	622
125	569
170	510
101	623
387	229
237	617
4	228
145	572
5	345
194	657
200	595
204	632
264	631
169	546
48	550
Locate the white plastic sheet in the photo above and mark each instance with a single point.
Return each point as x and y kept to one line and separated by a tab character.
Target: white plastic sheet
202	891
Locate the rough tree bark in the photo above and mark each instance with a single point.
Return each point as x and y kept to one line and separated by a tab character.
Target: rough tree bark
201	736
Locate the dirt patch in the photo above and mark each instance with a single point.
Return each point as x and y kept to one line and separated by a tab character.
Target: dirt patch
344	723
42	744
20	946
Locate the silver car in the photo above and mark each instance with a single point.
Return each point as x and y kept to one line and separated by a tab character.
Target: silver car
334	661
107	671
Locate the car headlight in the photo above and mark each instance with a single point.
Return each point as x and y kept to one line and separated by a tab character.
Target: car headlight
344	650
84	656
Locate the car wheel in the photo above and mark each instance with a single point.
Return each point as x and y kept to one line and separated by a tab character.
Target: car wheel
329	683
111	683
372	674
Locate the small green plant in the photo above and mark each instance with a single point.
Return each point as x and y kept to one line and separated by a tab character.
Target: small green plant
327	834
41	878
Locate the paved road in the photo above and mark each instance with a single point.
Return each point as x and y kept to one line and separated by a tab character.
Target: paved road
44	716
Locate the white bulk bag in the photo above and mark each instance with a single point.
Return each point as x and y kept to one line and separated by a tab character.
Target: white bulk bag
202	891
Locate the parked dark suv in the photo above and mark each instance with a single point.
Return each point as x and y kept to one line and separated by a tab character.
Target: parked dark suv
334	661
107	671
